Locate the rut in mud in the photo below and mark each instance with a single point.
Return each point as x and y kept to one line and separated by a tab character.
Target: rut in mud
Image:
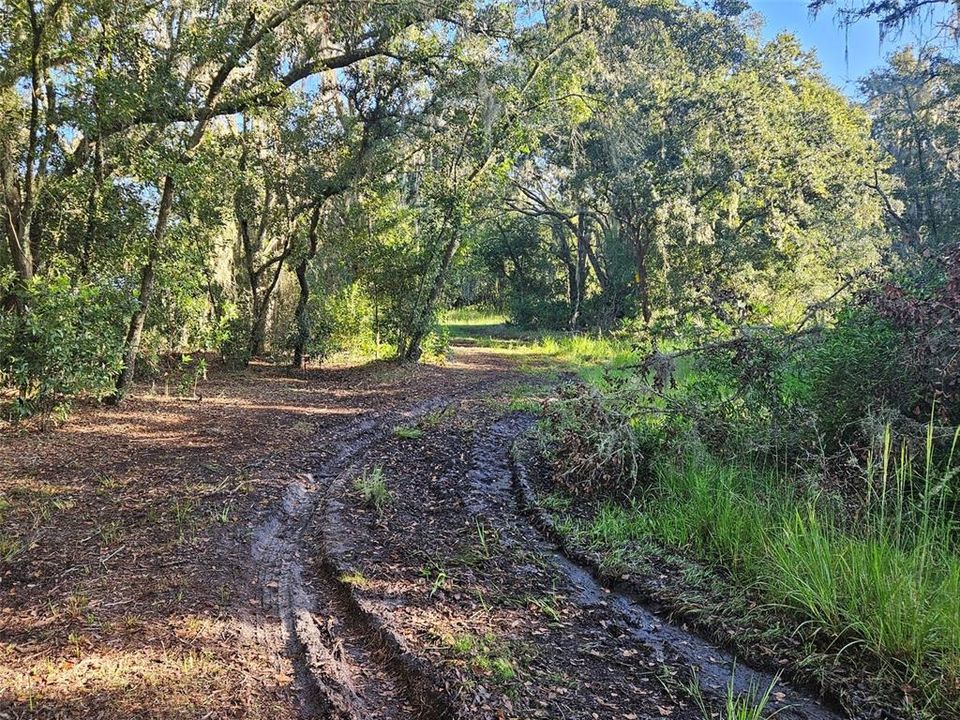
345	667
452	603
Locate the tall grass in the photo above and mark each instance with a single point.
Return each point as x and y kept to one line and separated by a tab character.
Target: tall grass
892	578
888	579
749	705
473	315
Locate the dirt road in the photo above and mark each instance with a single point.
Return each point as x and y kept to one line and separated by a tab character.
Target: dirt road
343	544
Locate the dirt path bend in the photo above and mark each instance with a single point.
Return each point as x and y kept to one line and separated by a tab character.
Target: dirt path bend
445	601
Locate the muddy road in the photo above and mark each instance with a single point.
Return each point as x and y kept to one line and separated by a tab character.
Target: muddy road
431	592
337	543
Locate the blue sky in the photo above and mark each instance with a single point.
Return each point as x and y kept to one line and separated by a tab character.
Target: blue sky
846	53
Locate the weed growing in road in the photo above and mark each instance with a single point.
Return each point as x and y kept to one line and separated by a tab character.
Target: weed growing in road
110	532
436	417
222	515
183	511
355	578
408	432
548	606
484	653
372	486
751	705
486	538
10	548
437	576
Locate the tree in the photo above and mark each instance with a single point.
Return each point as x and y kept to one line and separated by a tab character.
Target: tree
481	118
913	102
287	46
892	15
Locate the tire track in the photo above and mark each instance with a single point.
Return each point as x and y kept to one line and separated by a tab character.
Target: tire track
348	663
343	668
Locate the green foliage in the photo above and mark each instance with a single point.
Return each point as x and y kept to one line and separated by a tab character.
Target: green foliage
768	394
592	443
436	344
486	654
66	343
851	369
886	579
408	432
473	315
234	344
750	705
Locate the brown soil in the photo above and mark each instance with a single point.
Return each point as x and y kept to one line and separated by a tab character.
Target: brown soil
219	559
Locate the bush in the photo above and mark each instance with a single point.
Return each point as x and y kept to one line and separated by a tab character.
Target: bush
769	393
67	343
437	343
235	343
592	442
536	312
846	372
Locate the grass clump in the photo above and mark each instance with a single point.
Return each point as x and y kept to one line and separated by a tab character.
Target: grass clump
372	486
408	432
887	579
485	654
749	705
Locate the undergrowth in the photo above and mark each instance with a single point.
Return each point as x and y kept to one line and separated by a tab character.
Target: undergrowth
750	705
886	579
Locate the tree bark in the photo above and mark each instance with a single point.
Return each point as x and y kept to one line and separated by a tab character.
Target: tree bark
580	270
148	277
640	248
299	346
413	350
563	250
302	319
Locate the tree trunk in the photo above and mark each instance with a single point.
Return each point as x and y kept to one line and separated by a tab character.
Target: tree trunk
563	250
147	279
258	328
413	350
303	321
643	288
261	307
640	247
15	228
580	270
299	358
135	331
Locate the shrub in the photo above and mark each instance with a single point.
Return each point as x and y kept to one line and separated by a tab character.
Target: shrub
848	370
66	343
531	311
927	319
235	343
592	442
437	344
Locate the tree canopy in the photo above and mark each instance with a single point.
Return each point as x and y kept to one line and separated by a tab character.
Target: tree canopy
288	178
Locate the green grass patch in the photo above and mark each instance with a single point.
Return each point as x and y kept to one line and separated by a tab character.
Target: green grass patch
473	316
750	705
887	580
372	486
408	432
485	654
